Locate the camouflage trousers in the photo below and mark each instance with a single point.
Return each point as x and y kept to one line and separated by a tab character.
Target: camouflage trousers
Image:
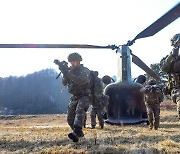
99	112
77	111
176	99
153	112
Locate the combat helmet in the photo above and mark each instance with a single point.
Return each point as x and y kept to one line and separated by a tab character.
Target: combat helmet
141	79
152	82
175	40
74	57
106	79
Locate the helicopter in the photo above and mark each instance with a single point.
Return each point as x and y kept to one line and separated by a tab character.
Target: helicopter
126	105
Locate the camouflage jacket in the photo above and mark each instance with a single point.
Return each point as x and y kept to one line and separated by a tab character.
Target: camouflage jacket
77	80
152	94
171	63
96	92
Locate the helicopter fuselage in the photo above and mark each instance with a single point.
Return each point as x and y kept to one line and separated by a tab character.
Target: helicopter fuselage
126	103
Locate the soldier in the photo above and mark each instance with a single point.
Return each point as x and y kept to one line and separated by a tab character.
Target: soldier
140	79
106	80
77	80
96	100
171	65
153	97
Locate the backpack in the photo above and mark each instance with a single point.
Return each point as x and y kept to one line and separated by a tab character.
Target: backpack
96	86
166	64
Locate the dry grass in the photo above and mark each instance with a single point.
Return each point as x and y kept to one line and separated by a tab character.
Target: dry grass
47	134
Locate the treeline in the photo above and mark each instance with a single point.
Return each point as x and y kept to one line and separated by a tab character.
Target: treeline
163	76
37	93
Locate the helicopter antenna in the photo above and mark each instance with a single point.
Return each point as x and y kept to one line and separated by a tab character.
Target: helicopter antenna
159	24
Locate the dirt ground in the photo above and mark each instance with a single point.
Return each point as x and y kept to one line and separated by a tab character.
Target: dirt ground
48	134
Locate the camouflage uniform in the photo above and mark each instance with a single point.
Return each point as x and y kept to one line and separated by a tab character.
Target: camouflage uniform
176	99
78	86
77	80
171	65
153	97
173	87
106	81
98	108
97	102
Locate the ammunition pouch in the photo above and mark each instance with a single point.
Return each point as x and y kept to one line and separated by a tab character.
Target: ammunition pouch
78	96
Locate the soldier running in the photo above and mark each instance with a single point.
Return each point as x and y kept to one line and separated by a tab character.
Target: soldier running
77	78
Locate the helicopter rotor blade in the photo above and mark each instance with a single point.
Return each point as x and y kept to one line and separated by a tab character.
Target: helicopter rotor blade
57	46
159	24
136	60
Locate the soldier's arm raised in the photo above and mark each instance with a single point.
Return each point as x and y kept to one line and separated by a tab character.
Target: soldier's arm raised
81	79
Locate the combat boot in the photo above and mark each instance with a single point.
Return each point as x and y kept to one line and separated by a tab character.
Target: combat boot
102	126
155	127
73	137
92	127
150	126
78	131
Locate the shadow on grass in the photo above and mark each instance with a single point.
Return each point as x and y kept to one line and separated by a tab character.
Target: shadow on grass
29	146
169	118
176	138
169	125
109	144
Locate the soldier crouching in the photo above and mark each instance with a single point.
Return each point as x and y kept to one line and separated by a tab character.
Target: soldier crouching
153	97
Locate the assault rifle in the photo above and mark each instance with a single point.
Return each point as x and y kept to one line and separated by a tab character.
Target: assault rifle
63	67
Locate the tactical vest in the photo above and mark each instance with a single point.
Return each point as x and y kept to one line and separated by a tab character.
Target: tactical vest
96	88
154	97
166	64
96	92
75	89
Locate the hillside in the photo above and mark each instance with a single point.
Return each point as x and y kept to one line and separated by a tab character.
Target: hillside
48	134
36	93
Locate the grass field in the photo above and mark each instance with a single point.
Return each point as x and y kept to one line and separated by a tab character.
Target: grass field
48	134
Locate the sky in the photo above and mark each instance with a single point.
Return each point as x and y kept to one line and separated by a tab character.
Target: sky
96	22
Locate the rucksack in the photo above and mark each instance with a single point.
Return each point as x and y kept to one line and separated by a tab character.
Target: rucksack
96	86
166	64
